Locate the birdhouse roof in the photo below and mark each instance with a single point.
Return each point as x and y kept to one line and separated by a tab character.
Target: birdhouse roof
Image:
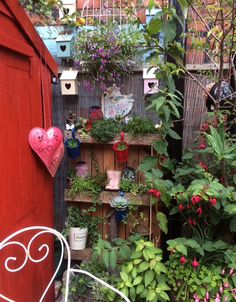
65	38
69	75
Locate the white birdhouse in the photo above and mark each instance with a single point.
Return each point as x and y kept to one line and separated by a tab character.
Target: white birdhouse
150	81
69	85
69	8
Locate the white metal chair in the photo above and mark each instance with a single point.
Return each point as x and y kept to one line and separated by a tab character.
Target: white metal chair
12	240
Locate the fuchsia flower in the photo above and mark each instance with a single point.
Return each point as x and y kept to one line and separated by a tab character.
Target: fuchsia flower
192	221
196	298
217	299
213	201
202	146
181	208
155	193
183	260
195	199
199	211
207	296
195	263
203	165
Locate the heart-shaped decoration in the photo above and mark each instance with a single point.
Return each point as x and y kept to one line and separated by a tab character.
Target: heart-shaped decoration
63	47
151	84
48	145
68	86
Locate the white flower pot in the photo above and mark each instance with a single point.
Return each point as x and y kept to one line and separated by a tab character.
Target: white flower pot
78	238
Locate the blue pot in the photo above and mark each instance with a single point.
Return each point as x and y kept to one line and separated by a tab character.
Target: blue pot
121	215
72	152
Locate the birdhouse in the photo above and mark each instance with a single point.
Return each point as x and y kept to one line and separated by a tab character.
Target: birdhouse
150	81
69	8
64	45
69	85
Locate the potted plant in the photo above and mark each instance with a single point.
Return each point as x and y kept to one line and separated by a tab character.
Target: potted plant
120	204
105	130
121	149
79	224
73	146
106	52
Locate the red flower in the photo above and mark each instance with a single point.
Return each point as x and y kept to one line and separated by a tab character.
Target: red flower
205	127
183	260
203	165
195	263
158	194
202	146
192	221
88	125
199	211
181	208
195	199
213	201
151	191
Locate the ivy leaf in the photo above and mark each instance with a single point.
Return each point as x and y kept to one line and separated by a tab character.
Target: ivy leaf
160	147
161	217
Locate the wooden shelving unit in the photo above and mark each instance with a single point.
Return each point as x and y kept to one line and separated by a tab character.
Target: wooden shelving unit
107	196
146	140
80	254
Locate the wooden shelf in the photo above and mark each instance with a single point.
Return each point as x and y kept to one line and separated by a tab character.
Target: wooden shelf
107	196
85	254
146	140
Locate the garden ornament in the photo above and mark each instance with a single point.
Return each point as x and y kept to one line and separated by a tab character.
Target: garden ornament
48	145
226	96
113	177
114	104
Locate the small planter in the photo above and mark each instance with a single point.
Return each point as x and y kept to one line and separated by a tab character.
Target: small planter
73	146
78	238
121	215
82	169
121	149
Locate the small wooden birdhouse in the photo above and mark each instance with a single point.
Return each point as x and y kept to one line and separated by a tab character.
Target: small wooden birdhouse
64	45
69	8
69	85
150	81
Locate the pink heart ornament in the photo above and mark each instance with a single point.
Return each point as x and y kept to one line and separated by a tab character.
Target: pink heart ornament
48	145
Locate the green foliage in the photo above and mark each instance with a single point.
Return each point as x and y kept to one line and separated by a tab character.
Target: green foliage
143	277
105	130
82	219
72	143
129	186
139	126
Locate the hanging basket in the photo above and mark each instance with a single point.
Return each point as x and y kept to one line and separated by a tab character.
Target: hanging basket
73	146
121	149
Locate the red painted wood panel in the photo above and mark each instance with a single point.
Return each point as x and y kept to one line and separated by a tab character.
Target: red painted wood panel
26	187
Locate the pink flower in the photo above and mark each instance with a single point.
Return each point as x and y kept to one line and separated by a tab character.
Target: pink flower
221	289
199	211
183	260
213	201
196	298
195	263
226	285
181	208
231	272
207	296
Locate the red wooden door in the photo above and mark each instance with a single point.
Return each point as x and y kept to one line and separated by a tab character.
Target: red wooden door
26	196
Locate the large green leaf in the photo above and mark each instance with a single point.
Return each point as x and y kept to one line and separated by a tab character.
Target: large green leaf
113	259
184	7
148	163
161	217
148	277
168	28
173	134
